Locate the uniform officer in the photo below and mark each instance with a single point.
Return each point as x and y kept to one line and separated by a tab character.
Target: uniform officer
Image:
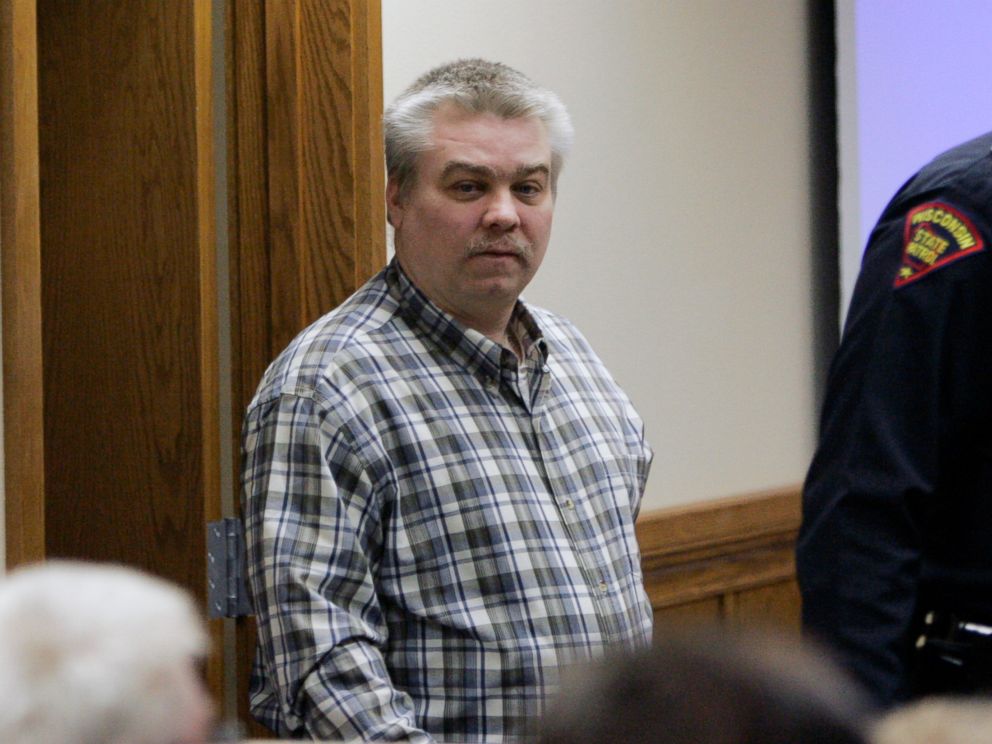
894	553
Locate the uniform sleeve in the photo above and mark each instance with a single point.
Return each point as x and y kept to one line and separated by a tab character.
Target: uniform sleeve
313	538
890	416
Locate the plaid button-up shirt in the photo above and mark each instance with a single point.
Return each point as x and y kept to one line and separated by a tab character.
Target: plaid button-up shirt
433	528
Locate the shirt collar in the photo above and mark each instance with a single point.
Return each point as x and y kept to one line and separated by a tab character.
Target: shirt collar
466	346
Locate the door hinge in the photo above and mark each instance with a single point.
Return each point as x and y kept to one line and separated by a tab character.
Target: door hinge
227	592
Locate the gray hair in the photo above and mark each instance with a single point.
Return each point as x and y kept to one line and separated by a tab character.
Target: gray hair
476	86
89	654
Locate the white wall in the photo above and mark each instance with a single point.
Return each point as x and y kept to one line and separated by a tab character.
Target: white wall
681	244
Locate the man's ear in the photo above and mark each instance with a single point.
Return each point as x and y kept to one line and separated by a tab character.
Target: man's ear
394	204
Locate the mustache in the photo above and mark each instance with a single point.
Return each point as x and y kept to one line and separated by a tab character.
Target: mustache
504	243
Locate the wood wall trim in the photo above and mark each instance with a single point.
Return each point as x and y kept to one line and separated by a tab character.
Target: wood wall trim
691	553
20	227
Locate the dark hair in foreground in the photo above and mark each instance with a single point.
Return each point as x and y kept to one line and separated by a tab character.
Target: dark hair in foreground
706	689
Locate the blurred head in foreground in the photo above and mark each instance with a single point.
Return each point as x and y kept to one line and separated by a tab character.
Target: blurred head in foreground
707	689
938	720
99	654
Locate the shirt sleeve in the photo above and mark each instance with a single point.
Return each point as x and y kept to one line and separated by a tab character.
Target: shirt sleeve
896	407
644	460
313	538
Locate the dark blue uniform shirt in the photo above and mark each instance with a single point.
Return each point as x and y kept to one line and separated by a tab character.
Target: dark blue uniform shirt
897	505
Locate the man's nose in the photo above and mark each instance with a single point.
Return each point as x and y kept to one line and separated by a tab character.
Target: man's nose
501	211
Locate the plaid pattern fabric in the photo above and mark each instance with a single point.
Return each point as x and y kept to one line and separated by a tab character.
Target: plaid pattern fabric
434	530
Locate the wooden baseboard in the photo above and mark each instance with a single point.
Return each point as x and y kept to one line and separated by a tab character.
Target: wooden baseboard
727	560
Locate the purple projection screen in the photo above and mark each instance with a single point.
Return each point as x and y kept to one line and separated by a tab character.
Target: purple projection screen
914	78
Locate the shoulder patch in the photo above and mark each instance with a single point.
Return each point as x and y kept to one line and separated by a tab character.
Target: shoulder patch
935	234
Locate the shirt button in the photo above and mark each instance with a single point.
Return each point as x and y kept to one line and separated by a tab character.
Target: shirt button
603	587
569	504
545	369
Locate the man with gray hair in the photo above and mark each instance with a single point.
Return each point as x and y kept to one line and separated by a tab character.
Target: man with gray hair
440	481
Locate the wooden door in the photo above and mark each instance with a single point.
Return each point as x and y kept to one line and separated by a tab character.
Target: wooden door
112	417
110	353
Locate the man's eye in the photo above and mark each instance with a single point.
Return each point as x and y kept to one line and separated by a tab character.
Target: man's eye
466	187
528	189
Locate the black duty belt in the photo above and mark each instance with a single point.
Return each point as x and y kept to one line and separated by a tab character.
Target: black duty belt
947	626
953	655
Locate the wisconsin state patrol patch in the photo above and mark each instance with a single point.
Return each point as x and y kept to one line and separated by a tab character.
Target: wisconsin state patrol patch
935	235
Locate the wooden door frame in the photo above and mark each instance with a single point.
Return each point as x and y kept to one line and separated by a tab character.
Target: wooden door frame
20	266
250	163
306	186
265	122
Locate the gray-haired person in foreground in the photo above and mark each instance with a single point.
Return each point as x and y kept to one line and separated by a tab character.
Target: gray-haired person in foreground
440	481
99	654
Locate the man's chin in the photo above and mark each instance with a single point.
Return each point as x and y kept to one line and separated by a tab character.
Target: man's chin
498	285
505	275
